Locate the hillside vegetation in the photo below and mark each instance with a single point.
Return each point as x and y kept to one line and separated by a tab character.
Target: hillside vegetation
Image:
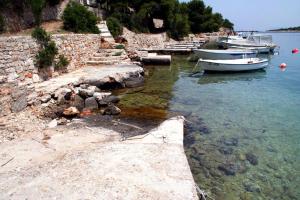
288	29
179	18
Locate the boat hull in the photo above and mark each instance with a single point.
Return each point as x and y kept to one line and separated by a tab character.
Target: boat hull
224	54
210	65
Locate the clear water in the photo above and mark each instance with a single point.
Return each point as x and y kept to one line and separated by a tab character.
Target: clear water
243	135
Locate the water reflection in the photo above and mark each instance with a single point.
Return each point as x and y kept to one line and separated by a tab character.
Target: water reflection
213	78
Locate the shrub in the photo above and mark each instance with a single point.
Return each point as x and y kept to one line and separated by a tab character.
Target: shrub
62	63
41	36
78	19
120	46
46	55
2	24
37	9
114	26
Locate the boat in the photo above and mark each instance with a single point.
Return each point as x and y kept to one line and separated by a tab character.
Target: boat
224	54
256	49
263	42
246	64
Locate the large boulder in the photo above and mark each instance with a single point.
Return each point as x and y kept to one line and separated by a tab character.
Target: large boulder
62	95
78	102
85	93
134	82
91	103
71	112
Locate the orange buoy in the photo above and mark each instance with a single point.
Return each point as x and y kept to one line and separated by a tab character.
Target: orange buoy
294	51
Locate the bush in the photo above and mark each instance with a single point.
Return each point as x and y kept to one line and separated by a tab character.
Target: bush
120	46
2	24
46	55
180	26
62	63
114	26
78	19
37	9
41	36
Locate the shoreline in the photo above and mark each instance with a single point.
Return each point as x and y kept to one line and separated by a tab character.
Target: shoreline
33	145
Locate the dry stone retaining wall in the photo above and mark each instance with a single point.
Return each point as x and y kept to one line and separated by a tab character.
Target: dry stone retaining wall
17	55
17	69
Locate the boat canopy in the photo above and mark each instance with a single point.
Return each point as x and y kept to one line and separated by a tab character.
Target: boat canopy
260	39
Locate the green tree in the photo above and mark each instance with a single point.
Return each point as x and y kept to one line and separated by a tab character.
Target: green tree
78	19
114	26
228	24
180	27
37	9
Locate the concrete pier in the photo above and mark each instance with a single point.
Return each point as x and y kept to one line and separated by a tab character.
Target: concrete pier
153	58
83	162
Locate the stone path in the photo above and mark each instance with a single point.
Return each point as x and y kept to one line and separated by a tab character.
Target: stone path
104	32
92	163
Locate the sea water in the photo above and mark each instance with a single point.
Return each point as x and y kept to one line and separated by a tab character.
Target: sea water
243	130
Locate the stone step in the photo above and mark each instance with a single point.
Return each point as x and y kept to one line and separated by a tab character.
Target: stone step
103	52
106	62
101	58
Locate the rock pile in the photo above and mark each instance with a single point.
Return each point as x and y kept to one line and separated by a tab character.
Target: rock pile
72	100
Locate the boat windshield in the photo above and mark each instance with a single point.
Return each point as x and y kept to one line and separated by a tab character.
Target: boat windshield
260	39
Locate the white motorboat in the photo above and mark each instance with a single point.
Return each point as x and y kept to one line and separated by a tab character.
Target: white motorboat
245	64
224	54
256	49
260	42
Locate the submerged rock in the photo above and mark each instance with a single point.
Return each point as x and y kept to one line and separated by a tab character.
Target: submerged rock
253	159
112	110
134	82
229	169
230	141
226	150
251	187
105	100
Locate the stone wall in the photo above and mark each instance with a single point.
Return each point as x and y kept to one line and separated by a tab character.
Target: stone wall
17	70
17	55
143	40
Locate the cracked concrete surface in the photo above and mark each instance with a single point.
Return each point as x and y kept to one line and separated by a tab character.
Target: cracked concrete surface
93	163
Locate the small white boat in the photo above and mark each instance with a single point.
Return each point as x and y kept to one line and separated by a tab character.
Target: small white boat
224	54
245	64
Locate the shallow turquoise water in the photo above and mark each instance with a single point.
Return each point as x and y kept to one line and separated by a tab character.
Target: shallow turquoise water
243	134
